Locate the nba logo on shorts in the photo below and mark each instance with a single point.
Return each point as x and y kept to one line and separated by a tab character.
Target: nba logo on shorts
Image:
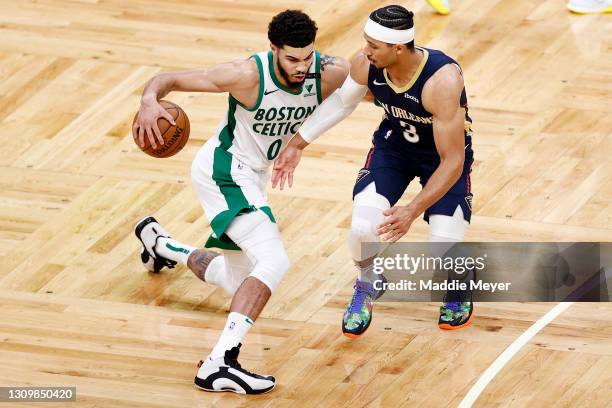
231	326
362	173
468	200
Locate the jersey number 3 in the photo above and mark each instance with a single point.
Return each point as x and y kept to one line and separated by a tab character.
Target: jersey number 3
410	132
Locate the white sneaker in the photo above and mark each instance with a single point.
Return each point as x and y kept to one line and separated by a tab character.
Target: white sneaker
441	6
225	374
148	231
590	6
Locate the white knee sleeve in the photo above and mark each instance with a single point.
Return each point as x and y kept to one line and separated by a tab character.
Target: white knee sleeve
443	228
368	210
238	266
229	271
368	197
259	239
363	229
216	274
446	231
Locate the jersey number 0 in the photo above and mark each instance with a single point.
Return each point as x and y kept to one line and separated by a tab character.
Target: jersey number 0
274	149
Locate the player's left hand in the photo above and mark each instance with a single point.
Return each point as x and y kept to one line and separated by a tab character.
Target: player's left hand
284	165
397	223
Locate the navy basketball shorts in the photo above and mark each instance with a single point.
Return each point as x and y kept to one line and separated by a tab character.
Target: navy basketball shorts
392	171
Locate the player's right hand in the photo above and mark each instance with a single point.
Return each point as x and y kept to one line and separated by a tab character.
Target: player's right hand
146	123
284	166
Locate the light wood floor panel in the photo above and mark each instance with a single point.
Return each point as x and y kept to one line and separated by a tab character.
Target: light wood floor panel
78	309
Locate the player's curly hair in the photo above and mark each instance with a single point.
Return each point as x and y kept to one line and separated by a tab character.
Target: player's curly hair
395	17
293	28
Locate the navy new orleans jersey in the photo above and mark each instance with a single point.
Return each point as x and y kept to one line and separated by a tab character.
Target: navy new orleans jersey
404	146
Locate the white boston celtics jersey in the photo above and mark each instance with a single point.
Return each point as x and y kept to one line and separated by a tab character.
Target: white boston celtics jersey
257	135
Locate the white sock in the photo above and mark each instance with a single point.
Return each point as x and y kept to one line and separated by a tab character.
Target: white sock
236	328
366	273
174	250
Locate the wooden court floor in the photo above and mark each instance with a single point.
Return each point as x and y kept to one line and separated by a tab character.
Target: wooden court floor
77	308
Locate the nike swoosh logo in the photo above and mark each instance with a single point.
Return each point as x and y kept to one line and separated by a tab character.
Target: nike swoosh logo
269	92
379	83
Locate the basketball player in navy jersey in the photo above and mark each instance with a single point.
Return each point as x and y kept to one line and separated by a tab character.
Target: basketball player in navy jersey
425	132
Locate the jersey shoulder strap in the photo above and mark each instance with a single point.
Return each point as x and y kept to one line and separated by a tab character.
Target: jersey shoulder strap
436	60
262	83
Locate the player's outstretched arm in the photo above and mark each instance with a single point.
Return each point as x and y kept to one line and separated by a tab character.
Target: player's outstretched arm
334	109
340	104
239	78
227	77
441	96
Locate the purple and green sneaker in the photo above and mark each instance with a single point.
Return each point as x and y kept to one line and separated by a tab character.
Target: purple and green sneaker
358	313
455	315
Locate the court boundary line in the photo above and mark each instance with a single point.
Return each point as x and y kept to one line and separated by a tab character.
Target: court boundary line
509	352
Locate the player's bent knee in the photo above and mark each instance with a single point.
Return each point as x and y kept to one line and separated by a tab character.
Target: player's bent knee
364	223
362	230
235	281
238	269
271	269
260	240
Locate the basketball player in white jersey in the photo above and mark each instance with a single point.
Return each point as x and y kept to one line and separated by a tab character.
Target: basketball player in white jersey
270	95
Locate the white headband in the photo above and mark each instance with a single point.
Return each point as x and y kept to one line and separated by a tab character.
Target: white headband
388	35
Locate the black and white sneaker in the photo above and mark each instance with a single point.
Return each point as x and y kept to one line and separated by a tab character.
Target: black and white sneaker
148	232
225	374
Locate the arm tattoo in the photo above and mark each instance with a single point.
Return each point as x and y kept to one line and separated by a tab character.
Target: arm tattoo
199	260
327	60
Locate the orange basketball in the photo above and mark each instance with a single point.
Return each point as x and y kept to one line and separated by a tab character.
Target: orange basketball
175	137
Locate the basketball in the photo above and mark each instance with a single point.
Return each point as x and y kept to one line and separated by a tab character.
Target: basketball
175	137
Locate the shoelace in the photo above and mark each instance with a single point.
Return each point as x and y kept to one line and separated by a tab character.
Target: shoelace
454	306
358	297
235	364
232	360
